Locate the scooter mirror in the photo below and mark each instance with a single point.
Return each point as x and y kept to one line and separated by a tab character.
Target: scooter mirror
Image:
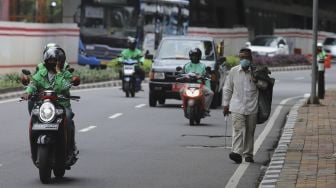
26	72
178	69
71	70
208	69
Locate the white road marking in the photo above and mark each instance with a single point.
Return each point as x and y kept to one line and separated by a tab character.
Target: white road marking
115	115
87	129
234	180
299	78
140	105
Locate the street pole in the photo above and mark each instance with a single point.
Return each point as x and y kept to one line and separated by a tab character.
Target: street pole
313	98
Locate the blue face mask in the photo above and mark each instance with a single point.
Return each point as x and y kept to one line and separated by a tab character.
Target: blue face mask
245	63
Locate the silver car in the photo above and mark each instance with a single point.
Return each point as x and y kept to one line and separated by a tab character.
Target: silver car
268	45
329	46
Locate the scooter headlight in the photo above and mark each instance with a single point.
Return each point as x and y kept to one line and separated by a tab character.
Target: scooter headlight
47	112
192	92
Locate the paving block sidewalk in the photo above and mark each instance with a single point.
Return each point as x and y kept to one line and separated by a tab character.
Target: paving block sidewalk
308	157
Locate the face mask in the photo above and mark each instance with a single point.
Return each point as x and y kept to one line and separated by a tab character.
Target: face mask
245	63
194	59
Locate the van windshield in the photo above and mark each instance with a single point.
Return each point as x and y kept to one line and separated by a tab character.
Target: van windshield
330	41
179	49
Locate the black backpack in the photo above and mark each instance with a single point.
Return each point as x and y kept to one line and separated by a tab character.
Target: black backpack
265	85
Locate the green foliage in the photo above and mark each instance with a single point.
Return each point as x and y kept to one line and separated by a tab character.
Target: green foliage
10	81
96	75
231	61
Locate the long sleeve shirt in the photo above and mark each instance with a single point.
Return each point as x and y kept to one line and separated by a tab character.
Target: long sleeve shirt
60	83
240	92
198	68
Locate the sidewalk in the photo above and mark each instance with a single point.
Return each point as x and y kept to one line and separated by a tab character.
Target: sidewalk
305	156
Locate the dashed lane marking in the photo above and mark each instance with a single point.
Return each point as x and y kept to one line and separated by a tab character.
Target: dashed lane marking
140	105
115	115
87	129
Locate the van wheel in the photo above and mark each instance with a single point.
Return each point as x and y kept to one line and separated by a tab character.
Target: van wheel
162	100
152	99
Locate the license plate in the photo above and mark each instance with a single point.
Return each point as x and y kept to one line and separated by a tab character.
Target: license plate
157	88
45	126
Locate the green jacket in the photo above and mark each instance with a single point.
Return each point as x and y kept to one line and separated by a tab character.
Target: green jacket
61	84
322	55
198	68
131	54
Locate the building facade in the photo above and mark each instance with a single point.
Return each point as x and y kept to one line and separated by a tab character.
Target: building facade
262	16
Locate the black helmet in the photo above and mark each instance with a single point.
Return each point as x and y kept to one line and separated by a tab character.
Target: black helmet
195	55
131	43
56	54
50	45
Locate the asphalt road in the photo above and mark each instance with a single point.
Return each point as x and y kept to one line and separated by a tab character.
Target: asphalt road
125	143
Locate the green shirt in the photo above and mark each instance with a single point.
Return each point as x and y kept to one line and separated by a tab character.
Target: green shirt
60	84
131	54
198	68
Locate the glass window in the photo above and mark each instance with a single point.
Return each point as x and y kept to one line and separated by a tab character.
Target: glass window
263	41
179	49
330	41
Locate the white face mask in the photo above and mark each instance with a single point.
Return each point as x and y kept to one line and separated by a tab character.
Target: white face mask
245	63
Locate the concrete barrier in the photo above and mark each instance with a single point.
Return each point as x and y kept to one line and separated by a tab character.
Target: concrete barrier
23	43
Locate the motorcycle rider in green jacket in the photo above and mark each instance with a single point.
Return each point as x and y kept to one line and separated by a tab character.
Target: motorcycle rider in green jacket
133	53
52	75
196	66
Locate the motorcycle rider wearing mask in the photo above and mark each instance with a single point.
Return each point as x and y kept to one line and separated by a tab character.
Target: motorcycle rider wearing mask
196	66
241	99
52	75
133	53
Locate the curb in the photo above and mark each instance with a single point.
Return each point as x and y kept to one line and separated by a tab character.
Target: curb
278	159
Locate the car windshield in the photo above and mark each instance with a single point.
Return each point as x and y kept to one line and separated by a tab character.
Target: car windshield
264	41
330	41
179	49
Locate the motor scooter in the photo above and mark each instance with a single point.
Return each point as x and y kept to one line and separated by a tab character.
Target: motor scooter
50	138
131	81
192	96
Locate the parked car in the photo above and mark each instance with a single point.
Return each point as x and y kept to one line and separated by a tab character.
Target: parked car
329	46
268	45
173	51
85	59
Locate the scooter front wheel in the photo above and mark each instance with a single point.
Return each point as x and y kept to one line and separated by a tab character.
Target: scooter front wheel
192	115
44	164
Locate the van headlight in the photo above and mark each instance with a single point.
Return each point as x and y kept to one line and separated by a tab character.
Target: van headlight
159	75
47	112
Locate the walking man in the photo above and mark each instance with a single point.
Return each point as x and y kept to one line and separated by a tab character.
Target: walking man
241	100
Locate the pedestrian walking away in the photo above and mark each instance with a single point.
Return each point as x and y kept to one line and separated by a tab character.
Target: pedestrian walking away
241	100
